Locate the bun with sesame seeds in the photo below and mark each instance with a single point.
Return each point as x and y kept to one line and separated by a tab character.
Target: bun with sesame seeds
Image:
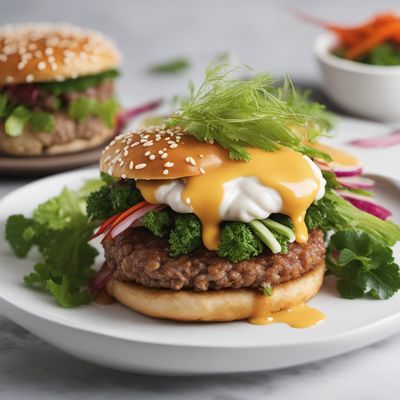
159	153
53	52
56	89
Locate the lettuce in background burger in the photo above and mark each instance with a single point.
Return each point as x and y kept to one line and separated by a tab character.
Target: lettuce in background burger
57	89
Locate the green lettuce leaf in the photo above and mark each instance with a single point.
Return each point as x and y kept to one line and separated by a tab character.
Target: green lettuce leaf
41	121
78	84
84	107
16	121
60	229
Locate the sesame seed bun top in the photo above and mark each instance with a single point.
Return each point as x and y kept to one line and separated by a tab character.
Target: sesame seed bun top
52	52
159	153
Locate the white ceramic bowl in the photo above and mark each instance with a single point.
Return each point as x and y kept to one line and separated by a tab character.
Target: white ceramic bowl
365	90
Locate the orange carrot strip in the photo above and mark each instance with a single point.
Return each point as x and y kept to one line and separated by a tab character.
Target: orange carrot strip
377	37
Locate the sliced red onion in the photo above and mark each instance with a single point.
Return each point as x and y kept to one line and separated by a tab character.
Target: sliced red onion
356	182
126	115
379	141
130	219
341	171
103	275
365	204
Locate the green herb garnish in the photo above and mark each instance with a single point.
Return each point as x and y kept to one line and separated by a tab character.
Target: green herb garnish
171	67
363	265
112	198
240	113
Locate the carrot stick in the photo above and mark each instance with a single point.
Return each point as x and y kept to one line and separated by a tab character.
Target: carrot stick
370	41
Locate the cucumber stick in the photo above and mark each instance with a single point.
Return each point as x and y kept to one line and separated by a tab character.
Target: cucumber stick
266	236
280	228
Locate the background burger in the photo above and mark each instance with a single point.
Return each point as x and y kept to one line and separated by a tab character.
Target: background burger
57	89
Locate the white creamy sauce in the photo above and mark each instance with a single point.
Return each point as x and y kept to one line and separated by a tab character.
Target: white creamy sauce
245	198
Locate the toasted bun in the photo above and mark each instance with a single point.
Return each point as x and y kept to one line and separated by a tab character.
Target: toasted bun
219	305
159	153
49	52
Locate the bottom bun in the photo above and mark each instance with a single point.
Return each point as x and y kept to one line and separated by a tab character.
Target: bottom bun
69	137
218	305
81	144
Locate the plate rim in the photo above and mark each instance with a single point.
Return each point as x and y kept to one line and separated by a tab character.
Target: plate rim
88	173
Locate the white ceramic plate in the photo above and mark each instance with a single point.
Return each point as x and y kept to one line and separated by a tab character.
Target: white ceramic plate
119	338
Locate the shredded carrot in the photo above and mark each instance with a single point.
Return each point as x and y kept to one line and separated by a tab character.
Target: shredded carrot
359	40
379	36
128	212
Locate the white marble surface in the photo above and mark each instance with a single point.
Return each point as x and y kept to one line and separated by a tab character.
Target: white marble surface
258	33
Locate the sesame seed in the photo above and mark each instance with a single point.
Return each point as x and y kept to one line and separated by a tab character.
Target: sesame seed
49	51
123	176
30	78
192	161
152	157
41	66
158	138
126	153
148	152
165	155
148	144
21	65
201	156
117	151
160	152
169	164
187	200
202	170
141	166
131	165
134	144
173	146
165	172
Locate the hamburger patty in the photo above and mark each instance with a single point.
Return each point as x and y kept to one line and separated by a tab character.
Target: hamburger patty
138	256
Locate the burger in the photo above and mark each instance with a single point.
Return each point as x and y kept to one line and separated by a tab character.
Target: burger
56	89
233	210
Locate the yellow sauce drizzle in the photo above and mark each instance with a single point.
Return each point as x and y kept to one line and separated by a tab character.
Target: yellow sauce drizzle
300	316
339	156
285	170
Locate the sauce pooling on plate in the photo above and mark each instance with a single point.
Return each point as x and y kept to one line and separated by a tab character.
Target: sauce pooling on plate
300	316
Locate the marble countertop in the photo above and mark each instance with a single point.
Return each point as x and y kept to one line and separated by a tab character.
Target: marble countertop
254	32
